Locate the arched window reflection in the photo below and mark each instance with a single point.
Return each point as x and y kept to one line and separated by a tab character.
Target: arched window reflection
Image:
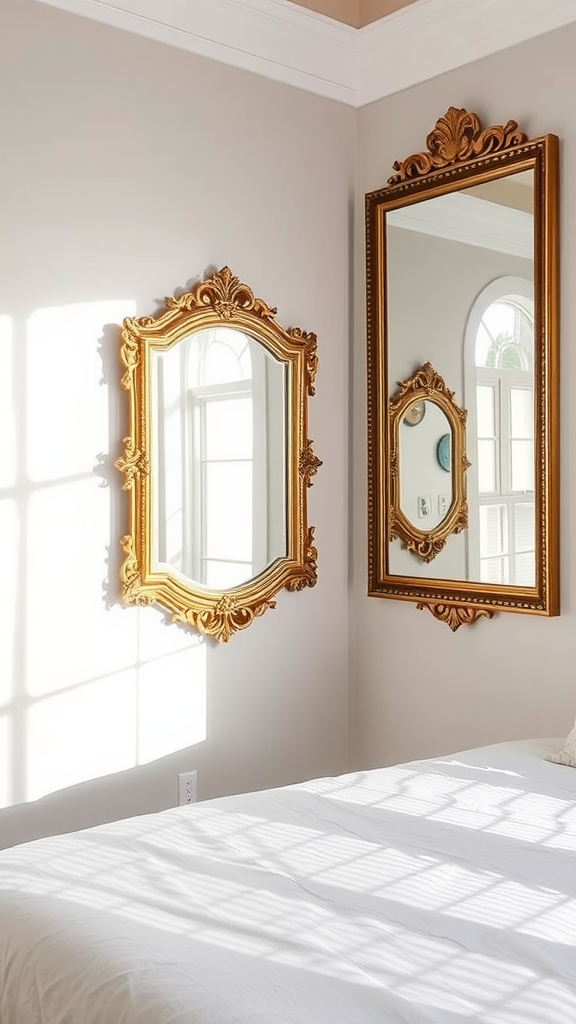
505	338
221	451
501	345
219	356
220	469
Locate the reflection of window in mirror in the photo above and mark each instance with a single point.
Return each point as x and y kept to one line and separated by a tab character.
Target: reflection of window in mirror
213	449
500	386
220	462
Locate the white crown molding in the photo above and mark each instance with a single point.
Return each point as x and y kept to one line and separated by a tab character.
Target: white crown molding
273	38
290	44
431	37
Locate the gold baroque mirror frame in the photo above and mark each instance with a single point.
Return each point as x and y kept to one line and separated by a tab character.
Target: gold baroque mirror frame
217	461
437	452
462	274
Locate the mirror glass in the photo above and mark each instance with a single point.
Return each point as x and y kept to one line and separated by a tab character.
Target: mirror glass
460	285
219	457
424	458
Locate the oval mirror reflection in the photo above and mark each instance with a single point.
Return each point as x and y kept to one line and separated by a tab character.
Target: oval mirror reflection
219	455
425	475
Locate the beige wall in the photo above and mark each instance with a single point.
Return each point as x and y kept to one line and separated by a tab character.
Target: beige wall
128	169
418	689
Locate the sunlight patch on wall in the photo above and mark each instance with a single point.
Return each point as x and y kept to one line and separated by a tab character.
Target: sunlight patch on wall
80	734
75	640
157	640
172	703
115	723
67	409
87	687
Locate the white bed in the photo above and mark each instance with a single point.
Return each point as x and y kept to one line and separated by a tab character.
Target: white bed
435	892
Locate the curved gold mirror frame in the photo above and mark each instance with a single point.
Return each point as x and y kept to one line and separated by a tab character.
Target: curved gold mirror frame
221	301
462	157
427	385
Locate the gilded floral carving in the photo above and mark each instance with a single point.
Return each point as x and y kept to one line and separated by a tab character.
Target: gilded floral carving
457	136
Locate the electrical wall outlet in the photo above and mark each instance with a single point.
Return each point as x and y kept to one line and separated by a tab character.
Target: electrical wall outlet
424	506
443	505
187	788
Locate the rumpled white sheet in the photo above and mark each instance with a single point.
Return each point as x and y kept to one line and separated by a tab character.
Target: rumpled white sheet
434	892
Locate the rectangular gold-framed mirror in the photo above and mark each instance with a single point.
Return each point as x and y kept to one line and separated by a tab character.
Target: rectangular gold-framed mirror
462	277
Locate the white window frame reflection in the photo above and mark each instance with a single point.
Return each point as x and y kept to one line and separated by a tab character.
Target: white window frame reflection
502	501
205	387
223	365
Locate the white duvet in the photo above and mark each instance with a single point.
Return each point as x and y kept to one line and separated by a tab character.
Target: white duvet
436	891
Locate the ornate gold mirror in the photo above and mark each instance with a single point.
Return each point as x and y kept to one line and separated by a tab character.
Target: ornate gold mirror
218	460
462	284
427	466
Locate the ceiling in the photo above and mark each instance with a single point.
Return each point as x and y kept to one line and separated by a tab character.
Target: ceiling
354	12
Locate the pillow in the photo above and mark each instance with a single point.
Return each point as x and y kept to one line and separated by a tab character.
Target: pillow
567	755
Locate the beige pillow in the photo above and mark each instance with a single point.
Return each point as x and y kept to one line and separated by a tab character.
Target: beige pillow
567	755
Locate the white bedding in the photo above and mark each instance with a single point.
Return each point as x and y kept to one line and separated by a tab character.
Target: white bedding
440	891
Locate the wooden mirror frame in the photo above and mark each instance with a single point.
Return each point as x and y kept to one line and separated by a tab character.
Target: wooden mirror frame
427	385
220	301
460	153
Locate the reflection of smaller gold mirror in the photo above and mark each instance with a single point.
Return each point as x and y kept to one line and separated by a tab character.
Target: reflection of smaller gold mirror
218	459
425	508
414	414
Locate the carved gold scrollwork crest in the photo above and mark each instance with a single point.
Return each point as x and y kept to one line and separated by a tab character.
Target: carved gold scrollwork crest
227	617
455	615
457	137
225	294
425	381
